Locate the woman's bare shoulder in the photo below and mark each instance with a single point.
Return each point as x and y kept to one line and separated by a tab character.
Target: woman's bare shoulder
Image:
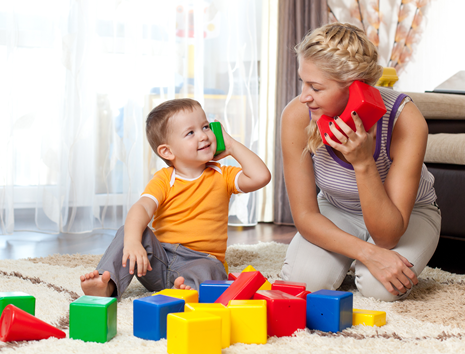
296	113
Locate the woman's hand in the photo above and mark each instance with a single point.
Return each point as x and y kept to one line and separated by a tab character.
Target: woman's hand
136	254
357	147
391	269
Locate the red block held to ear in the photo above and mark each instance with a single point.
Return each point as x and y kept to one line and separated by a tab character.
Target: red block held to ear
18	325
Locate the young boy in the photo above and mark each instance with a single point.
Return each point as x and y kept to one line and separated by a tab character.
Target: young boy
187	203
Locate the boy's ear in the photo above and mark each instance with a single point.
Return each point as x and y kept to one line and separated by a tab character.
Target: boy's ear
164	151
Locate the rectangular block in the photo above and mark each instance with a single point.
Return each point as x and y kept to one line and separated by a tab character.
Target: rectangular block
194	333
248	321
266	285
285	313
368	318
217	310
303	294
93	319
244	287
211	290
186	295
290	287
19	299
329	310
150	315
233	276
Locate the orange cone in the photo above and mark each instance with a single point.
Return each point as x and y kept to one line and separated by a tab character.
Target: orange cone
18	325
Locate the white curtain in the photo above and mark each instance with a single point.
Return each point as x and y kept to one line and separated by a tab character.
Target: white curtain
78	79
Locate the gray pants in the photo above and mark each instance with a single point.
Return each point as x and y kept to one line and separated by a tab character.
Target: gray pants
168	262
321	269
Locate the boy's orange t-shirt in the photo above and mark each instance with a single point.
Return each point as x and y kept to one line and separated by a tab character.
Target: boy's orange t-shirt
194	213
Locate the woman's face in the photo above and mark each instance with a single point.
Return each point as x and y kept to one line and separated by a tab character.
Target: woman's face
321	94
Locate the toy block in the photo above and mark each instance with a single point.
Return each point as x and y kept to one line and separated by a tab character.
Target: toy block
211	290
243	288
217	310
303	294
368	318
285	313
290	287
266	286
233	276
93	319
226	267
194	332
364	99
150	315
248	321
19	325
21	300
186	295
329	310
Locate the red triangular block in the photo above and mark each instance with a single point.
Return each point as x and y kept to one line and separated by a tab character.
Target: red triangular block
18	325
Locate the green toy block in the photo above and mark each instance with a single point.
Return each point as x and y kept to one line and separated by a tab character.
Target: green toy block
216	129
19	299
93	319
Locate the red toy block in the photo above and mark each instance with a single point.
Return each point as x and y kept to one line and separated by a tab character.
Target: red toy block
233	276
364	99
285	313
290	287
18	325
303	294
243	288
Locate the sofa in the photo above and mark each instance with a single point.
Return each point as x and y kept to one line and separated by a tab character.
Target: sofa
445	159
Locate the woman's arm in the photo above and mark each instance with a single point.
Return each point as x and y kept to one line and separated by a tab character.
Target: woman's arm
390	268
387	207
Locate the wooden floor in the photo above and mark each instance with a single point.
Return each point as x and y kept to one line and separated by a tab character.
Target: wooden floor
32	244
448	256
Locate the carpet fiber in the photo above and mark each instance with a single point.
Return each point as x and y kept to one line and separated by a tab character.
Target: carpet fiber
431	320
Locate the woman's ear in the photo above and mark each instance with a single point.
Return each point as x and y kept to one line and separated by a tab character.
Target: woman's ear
165	152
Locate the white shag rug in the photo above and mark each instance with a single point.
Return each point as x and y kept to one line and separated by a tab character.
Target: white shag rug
431	320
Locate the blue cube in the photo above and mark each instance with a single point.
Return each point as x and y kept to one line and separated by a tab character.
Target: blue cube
150	314
211	290
329	310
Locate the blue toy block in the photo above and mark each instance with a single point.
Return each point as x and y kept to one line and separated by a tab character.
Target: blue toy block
150	315
211	290
329	310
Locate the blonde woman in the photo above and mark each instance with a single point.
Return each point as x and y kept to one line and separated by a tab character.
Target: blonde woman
377	205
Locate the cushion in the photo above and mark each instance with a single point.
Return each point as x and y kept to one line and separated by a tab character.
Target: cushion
446	148
439	106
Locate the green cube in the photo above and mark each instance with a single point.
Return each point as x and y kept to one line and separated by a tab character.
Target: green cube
93	319
19	299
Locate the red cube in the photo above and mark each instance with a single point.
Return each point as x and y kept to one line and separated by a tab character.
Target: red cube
303	294
364	99
285	313
290	287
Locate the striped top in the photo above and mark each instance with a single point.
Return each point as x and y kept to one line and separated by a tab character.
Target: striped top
336	178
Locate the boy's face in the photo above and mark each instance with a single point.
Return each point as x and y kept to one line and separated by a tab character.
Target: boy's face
190	140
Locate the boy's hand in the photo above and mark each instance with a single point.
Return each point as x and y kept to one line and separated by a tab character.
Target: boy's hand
136	255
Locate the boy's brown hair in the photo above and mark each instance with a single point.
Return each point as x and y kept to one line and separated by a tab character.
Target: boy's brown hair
156	126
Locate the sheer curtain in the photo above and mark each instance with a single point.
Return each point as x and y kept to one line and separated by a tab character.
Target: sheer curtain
78	80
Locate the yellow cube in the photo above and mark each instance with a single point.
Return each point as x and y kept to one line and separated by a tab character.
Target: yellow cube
218	310
193	333
248	321
368	318
187	295
265	286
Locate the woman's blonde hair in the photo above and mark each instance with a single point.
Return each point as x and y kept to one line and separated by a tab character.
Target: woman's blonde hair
345	54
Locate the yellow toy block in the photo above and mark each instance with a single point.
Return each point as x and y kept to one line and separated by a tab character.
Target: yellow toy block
187	295
368	318
217	310
226	267
194	332
248	321
265	286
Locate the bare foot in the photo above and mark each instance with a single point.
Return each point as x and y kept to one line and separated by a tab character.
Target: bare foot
94	284
179	284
